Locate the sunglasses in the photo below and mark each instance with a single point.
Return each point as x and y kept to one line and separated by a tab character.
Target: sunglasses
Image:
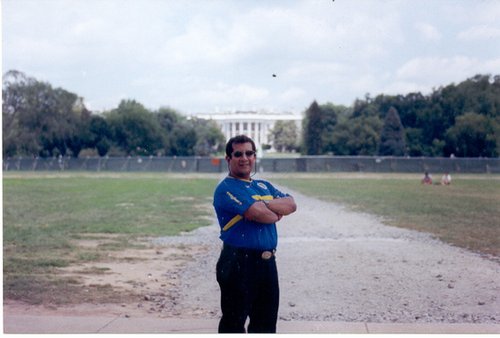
248	153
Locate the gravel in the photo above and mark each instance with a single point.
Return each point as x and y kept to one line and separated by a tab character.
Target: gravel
339	265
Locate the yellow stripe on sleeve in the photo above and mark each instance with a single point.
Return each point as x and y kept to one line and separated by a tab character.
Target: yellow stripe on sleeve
232	222
262	198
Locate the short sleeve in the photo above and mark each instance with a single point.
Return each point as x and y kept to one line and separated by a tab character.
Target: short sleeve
230	200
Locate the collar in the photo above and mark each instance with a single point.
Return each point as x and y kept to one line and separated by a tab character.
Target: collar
240	179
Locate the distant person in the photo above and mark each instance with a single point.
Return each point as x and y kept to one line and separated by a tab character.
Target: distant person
427	178
247	210
446	179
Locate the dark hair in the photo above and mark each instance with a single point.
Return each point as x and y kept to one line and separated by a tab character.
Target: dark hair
238	139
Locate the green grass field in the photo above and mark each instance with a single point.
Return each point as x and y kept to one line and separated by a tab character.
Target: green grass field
44	213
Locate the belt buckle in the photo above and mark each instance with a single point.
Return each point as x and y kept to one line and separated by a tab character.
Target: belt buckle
267	255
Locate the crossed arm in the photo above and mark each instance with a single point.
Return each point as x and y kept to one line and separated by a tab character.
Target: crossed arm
272	212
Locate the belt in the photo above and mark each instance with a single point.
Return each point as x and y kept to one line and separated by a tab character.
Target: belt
264	254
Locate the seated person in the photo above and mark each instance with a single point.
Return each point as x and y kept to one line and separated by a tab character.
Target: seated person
446	179
427	178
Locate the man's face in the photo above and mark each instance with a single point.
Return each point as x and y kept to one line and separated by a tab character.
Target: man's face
242	160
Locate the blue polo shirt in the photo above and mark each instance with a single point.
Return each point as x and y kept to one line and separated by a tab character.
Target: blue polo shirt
232	197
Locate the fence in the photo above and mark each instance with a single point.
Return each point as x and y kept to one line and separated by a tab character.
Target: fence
266	164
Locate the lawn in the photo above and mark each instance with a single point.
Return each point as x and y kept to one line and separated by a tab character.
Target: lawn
43	215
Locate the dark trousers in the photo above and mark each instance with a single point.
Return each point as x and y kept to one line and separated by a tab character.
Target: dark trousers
249	288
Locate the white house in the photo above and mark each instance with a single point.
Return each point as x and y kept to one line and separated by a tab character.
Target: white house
256	125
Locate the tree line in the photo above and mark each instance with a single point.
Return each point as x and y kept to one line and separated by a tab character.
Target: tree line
455	120
39	120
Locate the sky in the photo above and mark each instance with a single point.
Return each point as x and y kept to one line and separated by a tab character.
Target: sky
222	55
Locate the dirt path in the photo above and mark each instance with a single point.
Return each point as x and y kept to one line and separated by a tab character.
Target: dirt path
334	265
339	265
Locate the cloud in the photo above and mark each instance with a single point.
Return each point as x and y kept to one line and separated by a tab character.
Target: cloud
405	87
292	94
196	55
207	40
479	33
428	32
224	94
319	70
423	74
440	68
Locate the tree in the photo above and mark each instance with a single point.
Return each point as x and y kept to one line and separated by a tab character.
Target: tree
414	141
38	119
392	138
184	139
80	135
209	138
331	114
312	127
167	119
100	135
364	108
16	140
473	135
135	129
357	136
284	136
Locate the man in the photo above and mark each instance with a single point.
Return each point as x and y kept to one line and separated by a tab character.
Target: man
247	211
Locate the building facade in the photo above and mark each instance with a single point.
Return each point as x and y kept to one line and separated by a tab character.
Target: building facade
256	125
